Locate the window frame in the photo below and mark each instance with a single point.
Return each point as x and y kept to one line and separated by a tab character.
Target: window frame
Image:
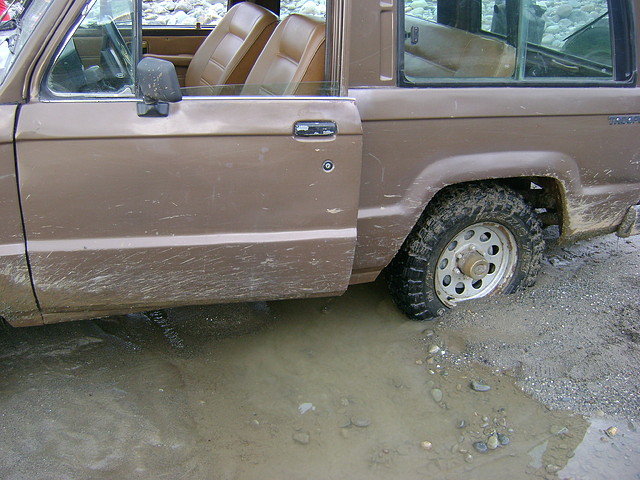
623	46
46	94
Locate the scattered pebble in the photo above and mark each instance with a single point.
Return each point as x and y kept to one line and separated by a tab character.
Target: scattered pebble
461	424
426	445
361	422
305	407
302	438
433	349
611	431
479	386
480	447
503	439
436	393
552	469
492	442
468	458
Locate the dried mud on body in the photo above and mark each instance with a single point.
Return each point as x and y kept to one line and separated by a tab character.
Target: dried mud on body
340	388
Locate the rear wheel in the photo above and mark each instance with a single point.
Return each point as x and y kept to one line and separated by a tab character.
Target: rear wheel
473	241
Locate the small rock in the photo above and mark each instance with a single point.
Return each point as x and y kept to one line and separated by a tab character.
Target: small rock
419	362
631	426
492	442
302	438
433	349
604	439
479	386
306	407
468	458
309	8
426	445
611	431
503	439
361	422
553	469
563	11
461	424
436	393
480	447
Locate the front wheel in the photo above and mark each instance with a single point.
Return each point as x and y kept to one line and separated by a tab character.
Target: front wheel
472	242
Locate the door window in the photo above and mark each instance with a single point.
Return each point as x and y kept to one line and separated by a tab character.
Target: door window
506	40
97	57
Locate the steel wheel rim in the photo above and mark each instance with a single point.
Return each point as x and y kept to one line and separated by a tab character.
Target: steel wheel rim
484	243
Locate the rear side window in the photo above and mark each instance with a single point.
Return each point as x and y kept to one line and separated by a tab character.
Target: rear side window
502	41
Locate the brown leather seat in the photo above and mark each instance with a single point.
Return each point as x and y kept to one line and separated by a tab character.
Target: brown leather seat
231	49
293	56
443	51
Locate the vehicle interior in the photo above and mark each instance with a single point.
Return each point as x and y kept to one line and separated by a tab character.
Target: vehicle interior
254	49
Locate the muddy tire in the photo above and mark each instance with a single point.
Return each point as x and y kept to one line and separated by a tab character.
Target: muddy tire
472	241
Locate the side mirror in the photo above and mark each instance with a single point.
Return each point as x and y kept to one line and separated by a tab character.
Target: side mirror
158	82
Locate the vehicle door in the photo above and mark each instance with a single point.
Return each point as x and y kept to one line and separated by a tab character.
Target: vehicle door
218	200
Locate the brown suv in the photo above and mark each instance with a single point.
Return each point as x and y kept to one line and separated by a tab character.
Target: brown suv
145	163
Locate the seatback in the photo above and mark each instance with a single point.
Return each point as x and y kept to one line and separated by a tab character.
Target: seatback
231	49
444	51
294	54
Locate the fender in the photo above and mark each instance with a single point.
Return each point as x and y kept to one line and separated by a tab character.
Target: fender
585	210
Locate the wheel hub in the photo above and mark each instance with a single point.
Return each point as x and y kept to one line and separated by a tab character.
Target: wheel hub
473	265
479	260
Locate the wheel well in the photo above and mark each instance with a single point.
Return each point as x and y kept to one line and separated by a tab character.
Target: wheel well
543	194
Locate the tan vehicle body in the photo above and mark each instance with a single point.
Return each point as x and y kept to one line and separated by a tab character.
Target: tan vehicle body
108	212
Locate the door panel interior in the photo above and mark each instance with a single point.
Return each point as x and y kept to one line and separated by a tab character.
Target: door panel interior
177	45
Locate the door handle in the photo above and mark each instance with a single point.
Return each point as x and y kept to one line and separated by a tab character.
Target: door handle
315	129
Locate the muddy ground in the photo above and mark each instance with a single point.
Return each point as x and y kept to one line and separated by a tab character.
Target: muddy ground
340	388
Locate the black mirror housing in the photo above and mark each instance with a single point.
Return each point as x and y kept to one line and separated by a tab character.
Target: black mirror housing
158	81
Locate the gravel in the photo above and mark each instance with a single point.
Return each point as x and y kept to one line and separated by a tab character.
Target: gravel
573	340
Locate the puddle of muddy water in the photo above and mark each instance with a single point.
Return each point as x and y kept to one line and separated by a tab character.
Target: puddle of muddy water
313	389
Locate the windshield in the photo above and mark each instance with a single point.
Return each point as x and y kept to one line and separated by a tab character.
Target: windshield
15	32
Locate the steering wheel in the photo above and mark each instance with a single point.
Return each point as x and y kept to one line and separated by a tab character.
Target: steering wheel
116	60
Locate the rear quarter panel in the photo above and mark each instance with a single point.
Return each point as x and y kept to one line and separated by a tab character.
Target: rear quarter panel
417	141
